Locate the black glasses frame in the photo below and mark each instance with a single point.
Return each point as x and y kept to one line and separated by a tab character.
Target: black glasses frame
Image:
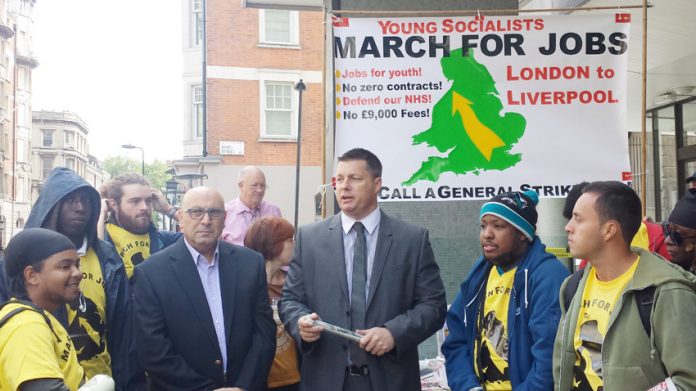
199	213
676	236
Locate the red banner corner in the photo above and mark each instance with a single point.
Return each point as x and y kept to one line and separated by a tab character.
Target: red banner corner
343	22
623	18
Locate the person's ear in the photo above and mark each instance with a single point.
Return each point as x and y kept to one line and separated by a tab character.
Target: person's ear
112	204
31	276
609	229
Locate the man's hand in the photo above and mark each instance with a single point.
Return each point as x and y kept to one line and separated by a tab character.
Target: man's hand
159	202
377	340
308	331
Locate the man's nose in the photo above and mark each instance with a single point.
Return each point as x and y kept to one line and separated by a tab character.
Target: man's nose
80	205
76	271
206	220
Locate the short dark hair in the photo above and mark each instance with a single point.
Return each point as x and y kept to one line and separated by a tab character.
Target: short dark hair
572	197
374	166
267	234
17	286
113	189
617	201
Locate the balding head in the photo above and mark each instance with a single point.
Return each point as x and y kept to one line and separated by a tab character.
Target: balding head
252	186
202	218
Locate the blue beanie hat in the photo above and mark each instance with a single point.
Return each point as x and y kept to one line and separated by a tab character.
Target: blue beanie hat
517	208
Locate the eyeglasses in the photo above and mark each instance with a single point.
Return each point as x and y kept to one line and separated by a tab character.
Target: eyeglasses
676	236
198	213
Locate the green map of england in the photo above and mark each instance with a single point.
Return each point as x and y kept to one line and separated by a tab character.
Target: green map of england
467	125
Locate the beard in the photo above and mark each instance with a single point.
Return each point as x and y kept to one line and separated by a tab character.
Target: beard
504	260
138	226
511	258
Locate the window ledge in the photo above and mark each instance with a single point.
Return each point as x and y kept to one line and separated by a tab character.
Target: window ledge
278	45
277	139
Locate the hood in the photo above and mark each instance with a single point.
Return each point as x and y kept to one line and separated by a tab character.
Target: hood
655	270
59	184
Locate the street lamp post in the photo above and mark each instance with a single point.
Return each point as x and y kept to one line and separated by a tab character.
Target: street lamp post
142	155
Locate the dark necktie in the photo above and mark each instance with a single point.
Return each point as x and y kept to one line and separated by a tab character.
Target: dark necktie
358	303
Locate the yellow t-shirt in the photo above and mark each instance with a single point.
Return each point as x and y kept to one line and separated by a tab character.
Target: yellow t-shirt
132	248
29	350
641	238
87	322
598	301
493	332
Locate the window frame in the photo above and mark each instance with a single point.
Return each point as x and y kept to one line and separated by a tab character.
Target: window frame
196	108
294	30
45	132
195	40
264	135
44	172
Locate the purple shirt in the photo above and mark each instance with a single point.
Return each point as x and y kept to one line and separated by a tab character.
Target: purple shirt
209	274
239	219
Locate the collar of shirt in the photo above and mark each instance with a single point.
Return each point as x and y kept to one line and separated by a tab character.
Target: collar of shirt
240	207
197	256
83	250
370	221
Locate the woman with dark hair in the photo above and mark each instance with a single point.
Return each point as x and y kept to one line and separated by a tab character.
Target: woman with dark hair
272	236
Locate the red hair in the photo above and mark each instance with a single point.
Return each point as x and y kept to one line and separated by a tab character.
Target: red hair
267	235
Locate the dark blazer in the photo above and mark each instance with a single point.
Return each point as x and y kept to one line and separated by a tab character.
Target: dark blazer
174	332
406	296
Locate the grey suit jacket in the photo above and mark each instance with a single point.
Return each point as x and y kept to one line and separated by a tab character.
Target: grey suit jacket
406	296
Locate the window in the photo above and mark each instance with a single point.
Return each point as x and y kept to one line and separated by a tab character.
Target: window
24	77
196	22
21	150
278	110
278	27
46	166
70	163
69	140
197	111
47	138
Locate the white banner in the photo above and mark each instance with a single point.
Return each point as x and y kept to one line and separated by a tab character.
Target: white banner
464	108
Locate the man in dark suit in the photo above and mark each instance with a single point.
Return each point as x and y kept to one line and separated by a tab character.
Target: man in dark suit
365	271
203	319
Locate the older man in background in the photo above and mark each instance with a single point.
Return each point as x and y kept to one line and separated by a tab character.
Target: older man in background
249	206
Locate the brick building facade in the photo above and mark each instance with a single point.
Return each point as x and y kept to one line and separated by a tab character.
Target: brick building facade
254	59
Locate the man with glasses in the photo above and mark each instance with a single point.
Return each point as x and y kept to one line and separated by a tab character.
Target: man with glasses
202	314
680	232
249	206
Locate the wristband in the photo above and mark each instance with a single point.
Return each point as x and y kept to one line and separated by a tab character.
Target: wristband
172	212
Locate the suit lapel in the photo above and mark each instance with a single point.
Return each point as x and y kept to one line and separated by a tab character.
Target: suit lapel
228	285
337	255
384	241
191	286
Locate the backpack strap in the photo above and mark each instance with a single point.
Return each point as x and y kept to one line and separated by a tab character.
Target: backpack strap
571	287
32	307
644	301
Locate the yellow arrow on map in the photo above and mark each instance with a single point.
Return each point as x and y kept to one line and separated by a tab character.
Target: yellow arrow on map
481	135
